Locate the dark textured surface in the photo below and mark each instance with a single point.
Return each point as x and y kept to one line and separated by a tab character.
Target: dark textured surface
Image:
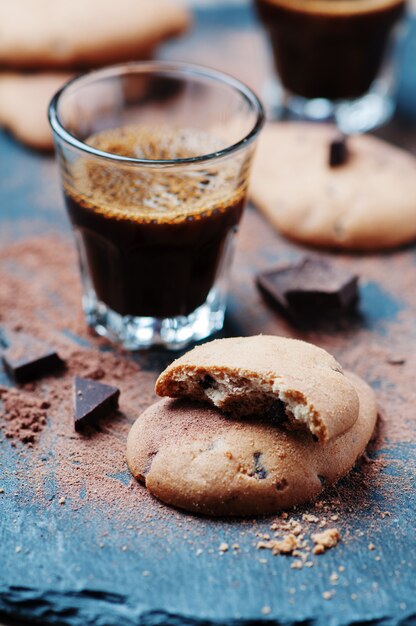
61	575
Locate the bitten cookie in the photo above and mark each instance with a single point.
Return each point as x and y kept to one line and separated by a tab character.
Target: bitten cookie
39	34
24	100
193	457
369	202
293	382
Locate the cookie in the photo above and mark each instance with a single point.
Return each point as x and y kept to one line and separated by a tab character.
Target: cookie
194	457
24	100
59	34
292	382
367	203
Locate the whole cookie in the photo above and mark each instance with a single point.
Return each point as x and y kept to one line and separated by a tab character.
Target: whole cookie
24	100
367	203
195	458
65	34
291	381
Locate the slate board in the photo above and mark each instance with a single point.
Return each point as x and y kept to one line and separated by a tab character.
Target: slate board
61	577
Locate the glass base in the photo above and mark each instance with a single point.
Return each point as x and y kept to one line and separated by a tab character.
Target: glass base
351	116
135	333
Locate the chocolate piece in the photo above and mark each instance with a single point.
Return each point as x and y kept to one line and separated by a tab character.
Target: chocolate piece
27	357
396	360
310	288
259	471
338	151
93	400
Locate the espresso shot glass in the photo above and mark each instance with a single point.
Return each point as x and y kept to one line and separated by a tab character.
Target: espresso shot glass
155	160
334	59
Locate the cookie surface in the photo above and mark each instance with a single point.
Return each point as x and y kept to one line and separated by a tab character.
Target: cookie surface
39	34
24	100
292	381
367	203
195	458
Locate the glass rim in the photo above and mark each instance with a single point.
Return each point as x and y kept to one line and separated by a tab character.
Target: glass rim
148	67
359	5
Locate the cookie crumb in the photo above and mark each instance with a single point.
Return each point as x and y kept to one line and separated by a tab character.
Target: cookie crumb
371	546
310	518
1	490
354	597
297	565
325	540
334	578
285	546
61	500
18	549
328	595
266	610
223	547
146	573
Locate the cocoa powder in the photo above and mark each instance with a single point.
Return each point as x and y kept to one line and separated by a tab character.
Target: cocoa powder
40	294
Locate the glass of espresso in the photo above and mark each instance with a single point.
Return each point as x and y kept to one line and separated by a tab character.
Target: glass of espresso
333	58
155	159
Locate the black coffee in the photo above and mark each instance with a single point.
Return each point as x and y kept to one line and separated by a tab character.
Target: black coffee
329	48
152	240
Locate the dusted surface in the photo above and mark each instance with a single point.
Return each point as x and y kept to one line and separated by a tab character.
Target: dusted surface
148	571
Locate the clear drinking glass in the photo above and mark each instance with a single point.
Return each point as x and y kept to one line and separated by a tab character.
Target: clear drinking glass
154	159
333	58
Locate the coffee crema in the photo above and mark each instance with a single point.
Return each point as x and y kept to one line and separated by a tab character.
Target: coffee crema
153	236
329	48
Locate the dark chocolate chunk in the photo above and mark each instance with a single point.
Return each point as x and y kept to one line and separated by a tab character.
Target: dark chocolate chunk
207	382
309	289
148	464
276	413
27	357
281	485
93	400
396	360
338	150
259	471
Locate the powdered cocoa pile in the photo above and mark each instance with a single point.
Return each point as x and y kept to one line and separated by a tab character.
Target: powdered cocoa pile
40	294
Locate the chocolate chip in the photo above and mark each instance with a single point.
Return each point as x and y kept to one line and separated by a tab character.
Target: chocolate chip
281	485
93	400
27	357
148	464
396	360
338	150
310	289
259	470
276	413
207	382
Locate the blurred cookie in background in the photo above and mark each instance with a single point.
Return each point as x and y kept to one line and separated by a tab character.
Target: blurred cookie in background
317	188
24	101
45	34
44	42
